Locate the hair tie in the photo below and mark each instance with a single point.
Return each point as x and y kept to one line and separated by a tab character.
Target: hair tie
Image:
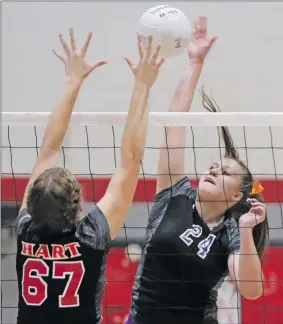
257	188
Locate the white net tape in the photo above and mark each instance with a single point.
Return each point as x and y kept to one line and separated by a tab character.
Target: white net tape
155	118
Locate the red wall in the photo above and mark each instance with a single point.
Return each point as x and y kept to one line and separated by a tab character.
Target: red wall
268	309
94	189
120	275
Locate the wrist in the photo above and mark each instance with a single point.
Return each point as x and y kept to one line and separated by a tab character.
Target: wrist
245	229
74	81
142	86
196	60
194	66
193	70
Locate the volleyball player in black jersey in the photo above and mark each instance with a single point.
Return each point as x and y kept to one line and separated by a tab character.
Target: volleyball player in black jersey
195	238
61	254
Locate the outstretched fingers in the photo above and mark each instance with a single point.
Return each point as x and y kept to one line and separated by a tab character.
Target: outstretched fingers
72	39
156	54
160	63
140	46
212	40
148	48
94	66
202	25
68	51
200	28
60	57
154	59
200	31
130	63
85	47
65	46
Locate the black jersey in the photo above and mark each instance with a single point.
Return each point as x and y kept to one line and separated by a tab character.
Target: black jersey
183	263
61	276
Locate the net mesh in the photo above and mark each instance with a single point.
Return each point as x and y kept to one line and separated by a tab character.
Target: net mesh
92	152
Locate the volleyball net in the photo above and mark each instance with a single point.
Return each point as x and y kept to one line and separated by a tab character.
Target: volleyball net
91	152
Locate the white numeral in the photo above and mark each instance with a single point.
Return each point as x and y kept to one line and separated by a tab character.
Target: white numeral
196	231
205	245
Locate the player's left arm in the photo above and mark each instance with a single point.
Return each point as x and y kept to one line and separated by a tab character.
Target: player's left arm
76	72
171	163
244	264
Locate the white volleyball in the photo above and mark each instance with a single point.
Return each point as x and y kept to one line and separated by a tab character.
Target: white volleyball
168	26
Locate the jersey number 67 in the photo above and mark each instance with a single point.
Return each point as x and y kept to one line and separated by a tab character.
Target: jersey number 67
34	288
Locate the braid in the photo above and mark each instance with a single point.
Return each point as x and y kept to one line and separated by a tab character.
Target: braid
54	200
72	200
73	204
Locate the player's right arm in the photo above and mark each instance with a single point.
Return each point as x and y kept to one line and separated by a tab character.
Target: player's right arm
116	203
77	71
171	167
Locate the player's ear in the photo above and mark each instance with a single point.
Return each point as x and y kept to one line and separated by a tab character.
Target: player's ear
237	196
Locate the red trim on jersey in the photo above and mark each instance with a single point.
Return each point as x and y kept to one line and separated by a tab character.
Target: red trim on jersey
93	190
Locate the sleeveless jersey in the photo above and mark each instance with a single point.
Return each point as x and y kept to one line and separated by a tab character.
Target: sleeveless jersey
183	263
61	276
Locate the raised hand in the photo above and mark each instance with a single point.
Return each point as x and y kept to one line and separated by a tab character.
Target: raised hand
74	58
146	71
255	216
200	44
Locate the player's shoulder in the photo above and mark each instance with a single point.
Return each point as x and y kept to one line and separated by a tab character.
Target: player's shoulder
182	201
23	219
94	230
231	225
180	188
231	234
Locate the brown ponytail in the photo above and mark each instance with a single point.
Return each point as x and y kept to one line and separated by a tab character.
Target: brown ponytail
260	231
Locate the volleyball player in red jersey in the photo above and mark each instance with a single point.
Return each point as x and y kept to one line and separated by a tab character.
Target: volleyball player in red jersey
196	237
61	254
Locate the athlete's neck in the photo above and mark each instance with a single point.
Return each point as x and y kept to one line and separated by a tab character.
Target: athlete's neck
209	211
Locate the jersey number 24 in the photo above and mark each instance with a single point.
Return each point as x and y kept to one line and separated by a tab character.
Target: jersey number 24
203	246
34	288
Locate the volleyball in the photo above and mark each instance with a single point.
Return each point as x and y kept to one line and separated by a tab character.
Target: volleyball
168	26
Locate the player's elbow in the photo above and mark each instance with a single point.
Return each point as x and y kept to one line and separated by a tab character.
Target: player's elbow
252	296
132	156
133	145
252	291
